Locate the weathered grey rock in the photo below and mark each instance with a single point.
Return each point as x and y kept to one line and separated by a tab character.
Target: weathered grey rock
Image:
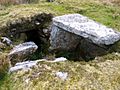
62	40
62	75
88	50
22	51
74	30
23	66
86	28
6	40
29	64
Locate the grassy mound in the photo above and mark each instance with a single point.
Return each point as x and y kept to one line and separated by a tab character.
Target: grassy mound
103	73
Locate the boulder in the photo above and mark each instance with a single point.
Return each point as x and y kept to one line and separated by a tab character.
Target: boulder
74	31
22	51
62	40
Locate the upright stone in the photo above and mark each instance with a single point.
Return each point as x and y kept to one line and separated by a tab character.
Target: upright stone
74	30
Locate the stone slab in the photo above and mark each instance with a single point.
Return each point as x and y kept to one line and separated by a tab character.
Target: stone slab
87	28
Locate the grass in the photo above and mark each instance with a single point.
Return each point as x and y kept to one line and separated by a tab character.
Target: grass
103	73
4	65
112	2
94	75
13	2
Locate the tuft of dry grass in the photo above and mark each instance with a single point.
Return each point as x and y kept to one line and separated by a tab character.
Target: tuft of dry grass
7	2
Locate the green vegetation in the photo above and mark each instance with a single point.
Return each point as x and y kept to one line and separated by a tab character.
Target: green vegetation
4	65
103	73
93	75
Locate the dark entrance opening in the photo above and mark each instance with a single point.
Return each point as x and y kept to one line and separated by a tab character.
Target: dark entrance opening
41	41
35	28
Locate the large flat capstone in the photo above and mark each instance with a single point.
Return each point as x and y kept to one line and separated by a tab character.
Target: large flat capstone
87	28
74	30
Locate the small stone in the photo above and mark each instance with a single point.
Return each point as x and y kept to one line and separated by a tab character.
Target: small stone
6	40
62	75
117	54
61	59
27	80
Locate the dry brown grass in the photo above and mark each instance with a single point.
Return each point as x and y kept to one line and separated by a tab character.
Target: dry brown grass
3	2
113	2
7	1
4	64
